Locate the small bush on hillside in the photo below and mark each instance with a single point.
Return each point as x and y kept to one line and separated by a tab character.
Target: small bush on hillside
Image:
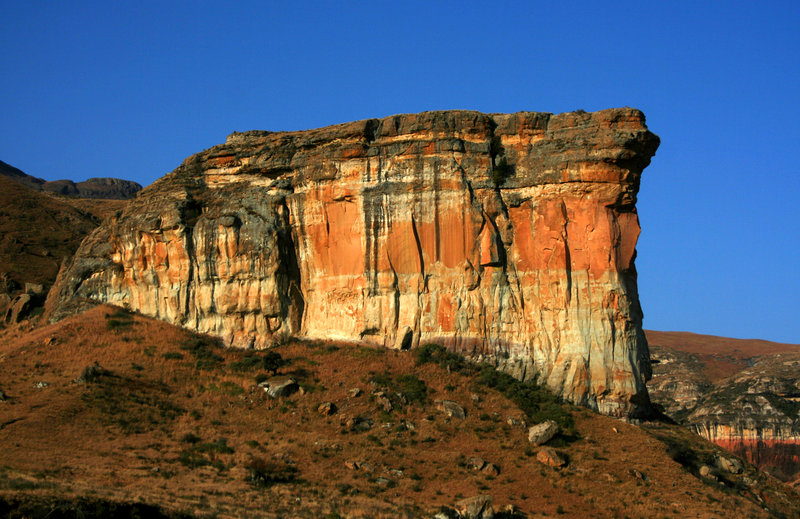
201	348
190	438
437	354
270	361
265	473
403	389
412	388
119	320
536	402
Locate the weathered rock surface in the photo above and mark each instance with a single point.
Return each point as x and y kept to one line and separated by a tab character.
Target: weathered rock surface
395	231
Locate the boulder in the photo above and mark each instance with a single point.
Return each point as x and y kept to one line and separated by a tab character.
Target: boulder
358	424
732	465
19	308
451	409
478	507
326	408
281	386
542	433
551	457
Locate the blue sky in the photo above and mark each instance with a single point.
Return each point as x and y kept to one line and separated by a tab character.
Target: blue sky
129	89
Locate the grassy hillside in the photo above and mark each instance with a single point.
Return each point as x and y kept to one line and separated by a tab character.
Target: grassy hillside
165	418
37	230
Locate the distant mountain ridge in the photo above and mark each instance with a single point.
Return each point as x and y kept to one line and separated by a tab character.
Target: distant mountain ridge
101	188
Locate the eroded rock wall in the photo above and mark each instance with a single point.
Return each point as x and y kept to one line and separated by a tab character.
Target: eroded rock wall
507	237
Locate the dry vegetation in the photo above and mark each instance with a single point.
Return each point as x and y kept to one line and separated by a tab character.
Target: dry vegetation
38	230
110	411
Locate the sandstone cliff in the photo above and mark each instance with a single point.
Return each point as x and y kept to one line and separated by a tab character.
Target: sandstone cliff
507	237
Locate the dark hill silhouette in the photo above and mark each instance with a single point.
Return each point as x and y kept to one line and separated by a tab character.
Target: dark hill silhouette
103	188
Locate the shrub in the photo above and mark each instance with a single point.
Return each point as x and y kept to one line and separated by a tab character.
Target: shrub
265	473
270	361
437	354
190	438
200	347
409	386
412	388
536	402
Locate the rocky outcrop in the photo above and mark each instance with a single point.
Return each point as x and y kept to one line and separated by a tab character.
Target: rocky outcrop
509	238
103	188
754	413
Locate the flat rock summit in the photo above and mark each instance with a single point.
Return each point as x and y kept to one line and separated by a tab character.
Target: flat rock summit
509	238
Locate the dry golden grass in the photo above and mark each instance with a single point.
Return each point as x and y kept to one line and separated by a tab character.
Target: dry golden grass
157	428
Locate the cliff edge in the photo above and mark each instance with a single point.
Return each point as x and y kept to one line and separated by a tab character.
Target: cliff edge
509	238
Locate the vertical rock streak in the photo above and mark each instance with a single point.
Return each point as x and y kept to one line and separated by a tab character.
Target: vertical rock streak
400	231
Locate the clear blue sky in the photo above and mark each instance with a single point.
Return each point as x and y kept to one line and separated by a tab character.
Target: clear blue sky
129	89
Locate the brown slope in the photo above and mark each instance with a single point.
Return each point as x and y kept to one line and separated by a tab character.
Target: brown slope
38	230
721	356
174	424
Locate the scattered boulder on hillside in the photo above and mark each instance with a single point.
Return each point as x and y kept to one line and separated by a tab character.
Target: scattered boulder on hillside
326	408
551	457
542	433
638	474
732	465
515	422
451	409
358	424
277	387
478	507
18	308
383	401
480	465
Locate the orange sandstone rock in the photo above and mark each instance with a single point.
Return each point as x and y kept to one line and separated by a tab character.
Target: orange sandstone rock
395	231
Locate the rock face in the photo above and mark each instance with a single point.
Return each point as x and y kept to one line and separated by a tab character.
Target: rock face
756	415
509	238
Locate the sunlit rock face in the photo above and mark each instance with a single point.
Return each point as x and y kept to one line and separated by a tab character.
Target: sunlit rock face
509	238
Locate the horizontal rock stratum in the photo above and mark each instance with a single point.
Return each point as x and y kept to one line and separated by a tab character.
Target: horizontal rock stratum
509	238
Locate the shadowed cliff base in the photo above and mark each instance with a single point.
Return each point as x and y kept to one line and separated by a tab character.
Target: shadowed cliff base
514	234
